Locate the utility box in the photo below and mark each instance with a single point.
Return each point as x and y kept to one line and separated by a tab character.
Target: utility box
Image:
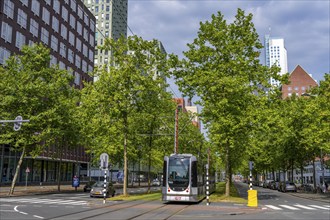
252	198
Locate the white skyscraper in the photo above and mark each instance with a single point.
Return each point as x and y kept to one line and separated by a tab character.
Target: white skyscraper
275	53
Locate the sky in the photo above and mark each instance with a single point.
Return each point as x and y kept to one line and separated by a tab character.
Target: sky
304	25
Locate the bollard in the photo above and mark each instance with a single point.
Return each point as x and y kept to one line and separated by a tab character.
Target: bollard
252	198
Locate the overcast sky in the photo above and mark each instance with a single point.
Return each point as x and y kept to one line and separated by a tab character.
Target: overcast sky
304	25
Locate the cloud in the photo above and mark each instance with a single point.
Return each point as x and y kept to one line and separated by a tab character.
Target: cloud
304	25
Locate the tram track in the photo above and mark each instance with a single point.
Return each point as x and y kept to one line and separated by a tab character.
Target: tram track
169	210
73	215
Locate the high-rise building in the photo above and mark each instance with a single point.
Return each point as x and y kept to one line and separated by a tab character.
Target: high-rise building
111	22
66	27
275	54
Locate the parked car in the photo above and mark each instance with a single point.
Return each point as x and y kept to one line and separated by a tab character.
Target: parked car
288	186
270	184
88	186
274	185
98	189
156	182
266	183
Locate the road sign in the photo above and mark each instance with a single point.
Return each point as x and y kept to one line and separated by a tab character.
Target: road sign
17	125
104	161
27	170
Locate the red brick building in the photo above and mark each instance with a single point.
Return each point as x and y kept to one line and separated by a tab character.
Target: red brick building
299	82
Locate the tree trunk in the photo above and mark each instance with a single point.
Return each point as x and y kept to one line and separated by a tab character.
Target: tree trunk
59	168
228	171
149	155
125	154
314	178
302	173
16	172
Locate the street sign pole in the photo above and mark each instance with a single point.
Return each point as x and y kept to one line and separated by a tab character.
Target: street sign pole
104	161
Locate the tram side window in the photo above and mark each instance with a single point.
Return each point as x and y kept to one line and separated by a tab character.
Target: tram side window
164	173
194	174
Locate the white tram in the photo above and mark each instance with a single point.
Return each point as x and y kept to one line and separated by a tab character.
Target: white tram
184	179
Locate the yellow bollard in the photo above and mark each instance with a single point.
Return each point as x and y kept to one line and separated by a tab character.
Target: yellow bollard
252	198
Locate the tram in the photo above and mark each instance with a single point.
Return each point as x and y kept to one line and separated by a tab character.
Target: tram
184	179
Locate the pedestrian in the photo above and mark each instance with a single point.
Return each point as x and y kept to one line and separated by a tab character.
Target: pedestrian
75	182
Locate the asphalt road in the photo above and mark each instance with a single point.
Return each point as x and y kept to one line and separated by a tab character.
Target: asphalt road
78	205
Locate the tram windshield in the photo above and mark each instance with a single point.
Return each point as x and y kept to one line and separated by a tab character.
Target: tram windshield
178	172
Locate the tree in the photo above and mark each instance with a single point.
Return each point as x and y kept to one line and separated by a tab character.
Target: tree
130	88
29	87
222	67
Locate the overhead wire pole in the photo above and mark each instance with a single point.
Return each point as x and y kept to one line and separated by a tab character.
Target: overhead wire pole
176	131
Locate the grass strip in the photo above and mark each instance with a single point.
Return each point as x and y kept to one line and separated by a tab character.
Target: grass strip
219	194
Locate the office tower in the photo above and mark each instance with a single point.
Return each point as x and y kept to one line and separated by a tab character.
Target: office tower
275	53
66	27
111	22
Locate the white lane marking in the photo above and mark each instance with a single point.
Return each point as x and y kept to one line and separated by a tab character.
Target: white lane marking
48	201
289	207
305	207
320	207
273	207
327	206
37	216
16	210
7	210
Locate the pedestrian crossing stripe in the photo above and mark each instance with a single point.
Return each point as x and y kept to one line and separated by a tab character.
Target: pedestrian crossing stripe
298	207
289	207
45	201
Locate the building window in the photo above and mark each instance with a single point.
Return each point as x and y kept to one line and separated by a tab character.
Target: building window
86	34
34	26
71	38
91	40
90	55
289	94
25	2
45	15
79	28
53	60
303	88
86	19
4	55
96	9
92	25
65	14
6	32
289	88
62	50
296	88
78	44
35	7
61	65
84	66
54	43
73	5
70	55
72	21
56	6
55	24
44	36
107	17
85	50
64	31
90	68
77	78
20	40
80	12
48	2
21	18
9	9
